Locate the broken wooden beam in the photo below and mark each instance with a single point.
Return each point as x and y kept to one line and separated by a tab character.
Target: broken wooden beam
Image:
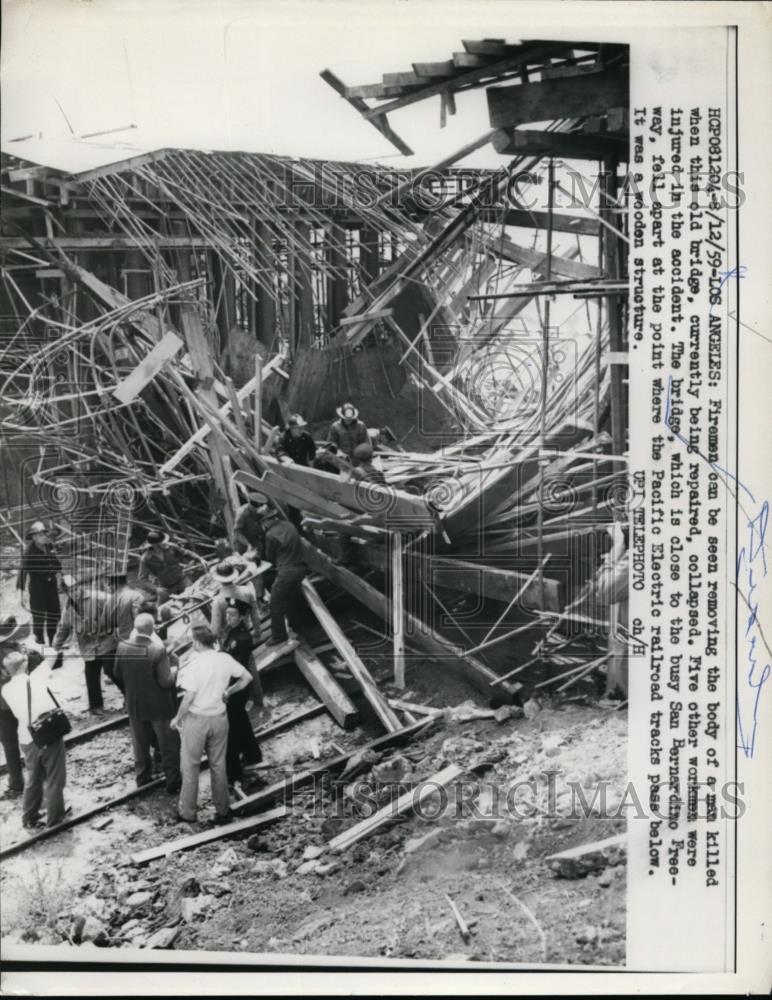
410	799
526	219
384	504
358	670
267	655
567	145
547	100
285	788
379	121
207	836
418	633
130	387
337	702
577	862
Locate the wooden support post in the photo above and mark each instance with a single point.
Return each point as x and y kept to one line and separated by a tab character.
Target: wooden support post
258	401
368	254
338	703
337	292
203	367
266	313
304	295
397	608
613	266
358	670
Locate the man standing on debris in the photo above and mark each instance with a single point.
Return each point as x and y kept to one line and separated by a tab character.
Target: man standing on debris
348	431
243	749
122	607
284	549
82	614
12	637
28	698
227	575
40	567
209	679
296	445
143	671
159	562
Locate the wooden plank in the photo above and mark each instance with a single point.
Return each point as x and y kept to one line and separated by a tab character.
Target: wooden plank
398	611
538	261
263	660
358	670
338	703
286	787
410	799
207	836
377	119
418	632
568	145
203	432
561	221
284	490
86	243
435	69
383	504
148	368
490	582
532	52
575	97
378	91
487	46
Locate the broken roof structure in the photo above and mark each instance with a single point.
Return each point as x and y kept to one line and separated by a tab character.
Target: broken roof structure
162	314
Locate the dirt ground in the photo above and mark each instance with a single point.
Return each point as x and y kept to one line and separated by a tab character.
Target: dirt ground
279	891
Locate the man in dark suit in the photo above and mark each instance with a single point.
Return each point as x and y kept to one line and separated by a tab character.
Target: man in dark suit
143	672
243	749
41	569
117	622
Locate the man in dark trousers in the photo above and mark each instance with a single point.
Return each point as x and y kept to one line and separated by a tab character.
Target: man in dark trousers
284	549
12	636
40	567
243	749
117	621
82	613
28	697
142	670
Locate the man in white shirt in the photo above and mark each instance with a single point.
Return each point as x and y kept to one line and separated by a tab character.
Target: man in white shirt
208	679
28	697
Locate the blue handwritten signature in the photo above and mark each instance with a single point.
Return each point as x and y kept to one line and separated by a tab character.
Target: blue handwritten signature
751	566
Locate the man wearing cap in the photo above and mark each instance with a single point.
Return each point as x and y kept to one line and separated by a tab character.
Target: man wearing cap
227	575
243	749
143	671
296	444
12	636
121	608
28	698
159	561
83	612
40	567
348	431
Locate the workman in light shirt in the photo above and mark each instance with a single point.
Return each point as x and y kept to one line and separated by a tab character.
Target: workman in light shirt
28	697
208	679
